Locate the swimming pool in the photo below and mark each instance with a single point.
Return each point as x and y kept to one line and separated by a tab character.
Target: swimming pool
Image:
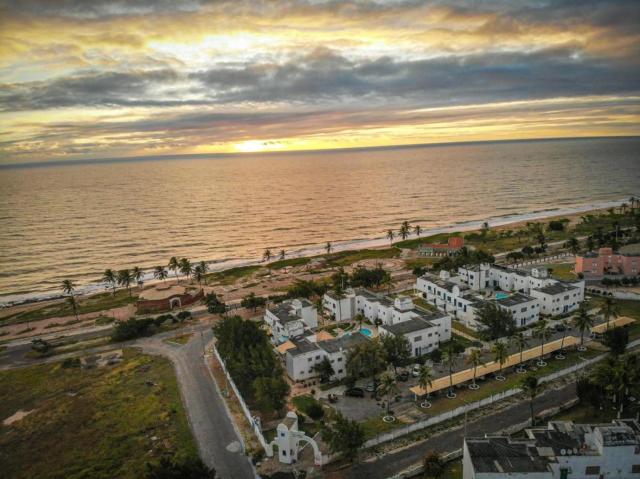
365	331
501	295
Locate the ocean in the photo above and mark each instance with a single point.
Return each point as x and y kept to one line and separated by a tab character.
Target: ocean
74	220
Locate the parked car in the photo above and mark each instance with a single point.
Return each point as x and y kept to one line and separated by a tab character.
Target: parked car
560	327
332	397
402	376
370	388
415	372
355	392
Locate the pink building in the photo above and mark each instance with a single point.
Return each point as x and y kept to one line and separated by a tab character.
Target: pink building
606	262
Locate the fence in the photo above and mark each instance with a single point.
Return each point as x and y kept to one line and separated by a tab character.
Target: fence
544	259
253	421
445	416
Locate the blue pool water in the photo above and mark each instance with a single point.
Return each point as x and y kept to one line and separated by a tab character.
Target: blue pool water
365	331
501	295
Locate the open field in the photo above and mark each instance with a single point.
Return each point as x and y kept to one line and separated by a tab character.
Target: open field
100	423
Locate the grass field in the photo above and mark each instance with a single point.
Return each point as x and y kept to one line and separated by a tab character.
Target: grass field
99	423
288	263
375	425
345	258
563	271
232	275
97	302
626	307
180	339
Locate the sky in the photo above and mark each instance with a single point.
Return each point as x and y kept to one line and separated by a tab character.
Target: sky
93	79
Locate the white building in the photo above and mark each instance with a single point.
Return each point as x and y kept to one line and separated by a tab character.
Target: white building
340	307
562	450
423	334
524	309
301	359
558	298
290	318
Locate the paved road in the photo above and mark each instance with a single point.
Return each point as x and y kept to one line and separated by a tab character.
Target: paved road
212	427
451	440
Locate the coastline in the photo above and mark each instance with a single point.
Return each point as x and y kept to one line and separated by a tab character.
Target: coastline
511	220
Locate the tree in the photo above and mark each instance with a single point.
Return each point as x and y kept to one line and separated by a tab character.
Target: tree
125	278
345	437
138	275
174	266
68	287
530	385
475	360
328	247
542	332
616	340
425	380
583	321
500	355
109	277
520	342
266	256
214	305
564	324
324	369
40	346
417	230
433	465
573	245
198	274
609	309
398	350
160	272
405	230
204	268
449	357
367	359
390	236
185	267
388	388
74	306
252	301
270	392
172	468
498	322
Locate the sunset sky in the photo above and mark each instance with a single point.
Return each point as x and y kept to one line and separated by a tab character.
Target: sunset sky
93	79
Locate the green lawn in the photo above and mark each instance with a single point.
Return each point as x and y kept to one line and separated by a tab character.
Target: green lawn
180	339
91	304
563	271
287	263
453	470
230	276
345	258
99	423
375	425
627	307
424	304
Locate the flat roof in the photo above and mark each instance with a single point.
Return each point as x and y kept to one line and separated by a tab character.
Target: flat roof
285	312
344	342
302	346
556	288
515	299
410	326
504	455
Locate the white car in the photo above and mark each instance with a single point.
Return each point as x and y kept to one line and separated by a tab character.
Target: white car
415	372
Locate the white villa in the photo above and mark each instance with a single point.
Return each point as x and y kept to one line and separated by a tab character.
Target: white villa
397	316
562	450
302	354
525	294
290	319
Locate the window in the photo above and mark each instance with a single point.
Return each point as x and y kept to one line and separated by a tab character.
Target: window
309	359
417	338
339	371
318	357
339	360
592	470
635	469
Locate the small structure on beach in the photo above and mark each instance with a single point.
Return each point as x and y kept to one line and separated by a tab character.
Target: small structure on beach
165	297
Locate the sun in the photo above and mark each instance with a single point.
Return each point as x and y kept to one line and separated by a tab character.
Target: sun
250	145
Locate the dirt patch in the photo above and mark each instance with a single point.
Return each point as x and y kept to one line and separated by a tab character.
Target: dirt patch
17	416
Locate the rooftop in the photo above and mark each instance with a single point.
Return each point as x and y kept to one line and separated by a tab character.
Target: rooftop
504	455
514	300
302	346
285	312
345	342
556	288
410	326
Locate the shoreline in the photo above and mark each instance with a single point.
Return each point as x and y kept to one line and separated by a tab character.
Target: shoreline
511	219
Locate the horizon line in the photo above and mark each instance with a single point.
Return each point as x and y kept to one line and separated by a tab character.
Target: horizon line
140	158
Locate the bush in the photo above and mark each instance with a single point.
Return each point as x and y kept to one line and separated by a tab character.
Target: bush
71	363
183	315
132	328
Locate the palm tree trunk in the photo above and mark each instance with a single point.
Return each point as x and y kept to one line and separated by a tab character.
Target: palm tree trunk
531	409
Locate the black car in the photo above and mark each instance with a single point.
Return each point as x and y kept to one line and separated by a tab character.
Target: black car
403	376
355	392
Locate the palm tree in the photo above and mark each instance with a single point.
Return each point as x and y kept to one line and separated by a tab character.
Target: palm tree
573	245
609	309
74	306
138	275
204	268
359	319
632	202
475	360
109	277
520	342
68	287
266	256
390	236
425	380
542	331
405	229
283	255
185	267
387	387
160	272
583	320
500	355
449	358
530	385
417	230
328	247
174	266
125	278
198	274
560	354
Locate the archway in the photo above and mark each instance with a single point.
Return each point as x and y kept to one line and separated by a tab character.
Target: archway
174	303
317	455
